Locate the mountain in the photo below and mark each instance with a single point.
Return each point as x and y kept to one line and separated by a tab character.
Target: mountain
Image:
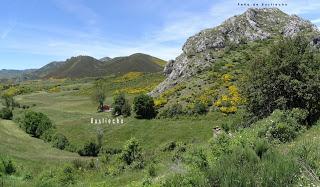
86	66
9	74
49	68
202	50
105	59
137	62
76	67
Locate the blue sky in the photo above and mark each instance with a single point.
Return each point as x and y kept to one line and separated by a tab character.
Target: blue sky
36	32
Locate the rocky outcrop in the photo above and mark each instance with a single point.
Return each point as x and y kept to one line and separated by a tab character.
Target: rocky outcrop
254	24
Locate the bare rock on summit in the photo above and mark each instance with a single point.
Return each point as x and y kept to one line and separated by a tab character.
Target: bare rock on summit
254	24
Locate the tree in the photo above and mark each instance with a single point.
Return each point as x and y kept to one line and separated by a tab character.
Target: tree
99	94
36	123
143	105
121	106
287	76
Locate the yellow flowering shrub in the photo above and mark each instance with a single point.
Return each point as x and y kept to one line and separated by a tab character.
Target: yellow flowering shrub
173	90
136	90
160	102
12	91
227	77
128	77
228	103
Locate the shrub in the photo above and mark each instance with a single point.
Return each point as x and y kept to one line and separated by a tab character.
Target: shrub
59	141
261	146
7	167
285	77
172	111
200	108
36	123
121	106
132	154
6	113
281	125
89	149
143	106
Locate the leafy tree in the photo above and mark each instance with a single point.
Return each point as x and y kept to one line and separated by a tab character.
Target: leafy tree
121	106
287	76
99	94
36	123
143	105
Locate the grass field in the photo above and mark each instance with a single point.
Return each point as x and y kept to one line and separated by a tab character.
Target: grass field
71	112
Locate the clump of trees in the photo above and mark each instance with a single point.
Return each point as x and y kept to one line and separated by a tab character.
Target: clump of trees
121	106
285	77
143	106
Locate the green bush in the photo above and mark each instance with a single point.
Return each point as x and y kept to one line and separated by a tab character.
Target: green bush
6	113
200	108
243	167
132	154
261	146
172	111
89	149
36	123
59	141
143	106
6	166
121	106
281	125
286	76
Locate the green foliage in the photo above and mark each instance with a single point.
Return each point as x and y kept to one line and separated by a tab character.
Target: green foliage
121	106
6	113
143	106
132	154
284	77
200	108
99	94
261	146
172	111
282	125
6	166
36	123
90	148
243	167
59	141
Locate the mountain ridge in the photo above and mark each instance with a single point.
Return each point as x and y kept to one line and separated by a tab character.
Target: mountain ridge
254	24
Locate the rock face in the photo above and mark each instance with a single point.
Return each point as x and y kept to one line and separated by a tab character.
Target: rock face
252	25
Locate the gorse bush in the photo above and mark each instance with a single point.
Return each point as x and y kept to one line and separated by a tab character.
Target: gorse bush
36	123
287	76
143	106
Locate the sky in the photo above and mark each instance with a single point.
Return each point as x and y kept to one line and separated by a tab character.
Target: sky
36	32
